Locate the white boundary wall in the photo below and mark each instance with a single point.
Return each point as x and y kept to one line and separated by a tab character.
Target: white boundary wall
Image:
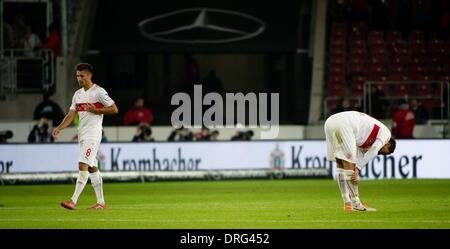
412	159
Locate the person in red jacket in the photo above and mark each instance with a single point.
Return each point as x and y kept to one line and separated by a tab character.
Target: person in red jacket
403	122
54	41
138	114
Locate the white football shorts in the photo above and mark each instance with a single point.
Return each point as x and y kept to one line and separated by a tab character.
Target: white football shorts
341	141
88	151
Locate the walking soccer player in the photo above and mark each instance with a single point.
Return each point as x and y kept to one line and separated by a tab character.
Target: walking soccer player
353	139
91	102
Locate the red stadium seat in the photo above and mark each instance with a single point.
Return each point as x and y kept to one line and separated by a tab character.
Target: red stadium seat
358	57
359	27
425	89
357	90
339	27
336	90
417	35
416	70
435	69
403	58
378	77
431	104
423	77
358	52
381	55
375	35
447	47
355	36
393	35
397	77
338	46
376	61
376	72
357	86
382	86
417	48
377	45
337	60
358	60
338	53
445	78
401	90
358	44
337	80
431	60
436	49
357	69
341	42
359	80
332	103
395	68
398	45
337	69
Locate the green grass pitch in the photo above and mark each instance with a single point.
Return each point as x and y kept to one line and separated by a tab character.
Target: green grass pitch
230	204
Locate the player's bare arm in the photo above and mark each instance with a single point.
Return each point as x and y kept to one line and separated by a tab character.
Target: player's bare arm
66	122
104	110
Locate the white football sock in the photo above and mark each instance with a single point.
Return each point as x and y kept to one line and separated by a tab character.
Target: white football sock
352	187
82	179
340	178
97	183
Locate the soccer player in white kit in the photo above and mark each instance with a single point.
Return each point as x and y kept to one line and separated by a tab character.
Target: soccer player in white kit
91	102
353	139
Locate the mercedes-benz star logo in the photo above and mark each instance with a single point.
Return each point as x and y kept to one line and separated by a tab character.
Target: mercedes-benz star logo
208	26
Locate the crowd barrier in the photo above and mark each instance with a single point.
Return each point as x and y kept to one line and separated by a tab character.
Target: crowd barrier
218	160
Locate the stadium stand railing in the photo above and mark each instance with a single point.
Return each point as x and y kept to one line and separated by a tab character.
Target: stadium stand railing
358	55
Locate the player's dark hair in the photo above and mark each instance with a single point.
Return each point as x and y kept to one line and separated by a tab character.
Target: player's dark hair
85	67
392	145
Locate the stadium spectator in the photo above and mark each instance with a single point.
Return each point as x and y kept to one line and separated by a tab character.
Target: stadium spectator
143	133
342	106
420	111
404	12
214	135
138	114
378	103
341	11
202	135
5	135
180	134
243	135
53	41
211	83
31	41
49	109
20	29
8	36
403	121
421	14
378	12
191	74
104	137
40	132
359	10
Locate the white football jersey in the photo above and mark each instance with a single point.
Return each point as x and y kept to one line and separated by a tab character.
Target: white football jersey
90	125
366	128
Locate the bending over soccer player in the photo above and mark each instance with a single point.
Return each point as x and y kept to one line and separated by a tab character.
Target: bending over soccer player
91	102
353	139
